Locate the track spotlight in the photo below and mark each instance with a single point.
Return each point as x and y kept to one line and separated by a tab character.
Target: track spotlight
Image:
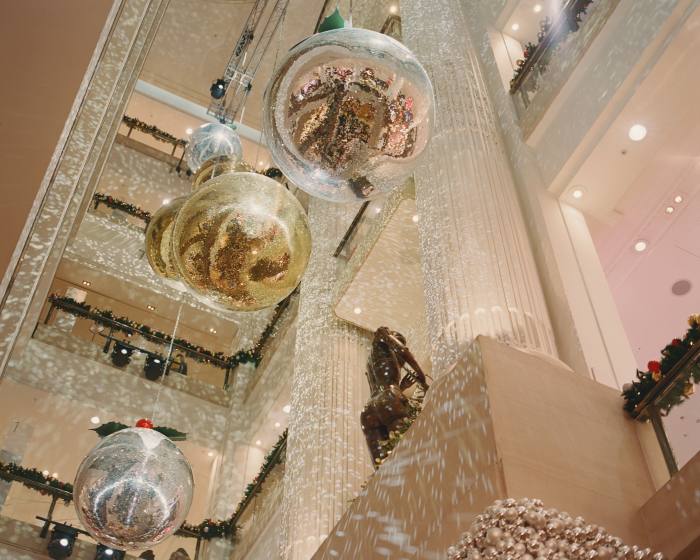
121	355
153	367
107	553
218	89
61	541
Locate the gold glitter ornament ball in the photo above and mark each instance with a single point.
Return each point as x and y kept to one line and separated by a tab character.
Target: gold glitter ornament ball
348	114
242	240
158	239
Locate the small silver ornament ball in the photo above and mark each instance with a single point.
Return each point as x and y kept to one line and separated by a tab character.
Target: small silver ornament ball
212	140
133	490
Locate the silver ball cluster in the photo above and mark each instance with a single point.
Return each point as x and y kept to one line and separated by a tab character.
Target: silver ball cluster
525	530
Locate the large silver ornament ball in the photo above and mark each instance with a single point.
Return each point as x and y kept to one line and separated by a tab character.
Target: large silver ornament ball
212	140
348	114
133	490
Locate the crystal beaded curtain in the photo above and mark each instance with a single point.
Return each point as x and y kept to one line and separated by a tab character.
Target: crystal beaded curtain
327	458
479	271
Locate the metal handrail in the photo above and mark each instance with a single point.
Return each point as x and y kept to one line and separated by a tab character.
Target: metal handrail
275	460
563	19
648	409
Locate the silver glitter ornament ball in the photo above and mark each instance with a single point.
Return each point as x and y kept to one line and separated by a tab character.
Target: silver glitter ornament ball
348	114
133	490
212	140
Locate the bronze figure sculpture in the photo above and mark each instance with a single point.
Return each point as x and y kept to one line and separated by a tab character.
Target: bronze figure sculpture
389	409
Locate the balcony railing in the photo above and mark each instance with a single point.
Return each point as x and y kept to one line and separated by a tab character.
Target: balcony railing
653	406
550	63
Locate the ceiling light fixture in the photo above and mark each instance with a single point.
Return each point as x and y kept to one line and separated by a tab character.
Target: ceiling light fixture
537	8
166	201
151	308
95	420
210	454
669	209
393	9
678	199
637	132
287	408
86	283
212	330
277	424
415	218
258	442
515	26
640	246
357	310
189	131
577	193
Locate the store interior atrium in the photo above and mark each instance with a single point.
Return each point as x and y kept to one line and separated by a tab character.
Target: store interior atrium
350	279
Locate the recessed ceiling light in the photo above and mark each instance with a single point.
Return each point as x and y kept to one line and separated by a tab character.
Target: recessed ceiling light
210	454
515	26
287	408
393	9
258	442
189	131
640	246
678	199
151	308
63	543
537	8
166	201
669	209
277	424
415	218
212	331
577	193
357	310
637	132
261	162
95	420
86	283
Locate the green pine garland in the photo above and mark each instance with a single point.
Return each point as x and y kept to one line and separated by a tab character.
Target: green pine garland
127	326
117	204
34	475
211	529
153	130
635	392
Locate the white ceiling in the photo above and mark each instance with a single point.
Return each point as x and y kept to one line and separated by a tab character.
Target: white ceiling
627	188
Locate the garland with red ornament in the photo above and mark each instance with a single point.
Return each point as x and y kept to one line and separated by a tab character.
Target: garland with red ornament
683	388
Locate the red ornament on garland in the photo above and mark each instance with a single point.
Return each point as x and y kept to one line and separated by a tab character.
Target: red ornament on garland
144	423
654	366
676	342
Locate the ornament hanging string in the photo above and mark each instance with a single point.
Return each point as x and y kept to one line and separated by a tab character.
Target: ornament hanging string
280	35
166	362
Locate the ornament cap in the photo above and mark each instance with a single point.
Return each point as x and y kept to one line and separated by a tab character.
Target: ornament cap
144	423
216	166
333	21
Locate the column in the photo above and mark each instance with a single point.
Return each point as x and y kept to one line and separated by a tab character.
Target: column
327	458
478	267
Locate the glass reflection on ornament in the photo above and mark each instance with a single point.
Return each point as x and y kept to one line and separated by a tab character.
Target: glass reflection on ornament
133	490
348	114
212	140
242	241
158	239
